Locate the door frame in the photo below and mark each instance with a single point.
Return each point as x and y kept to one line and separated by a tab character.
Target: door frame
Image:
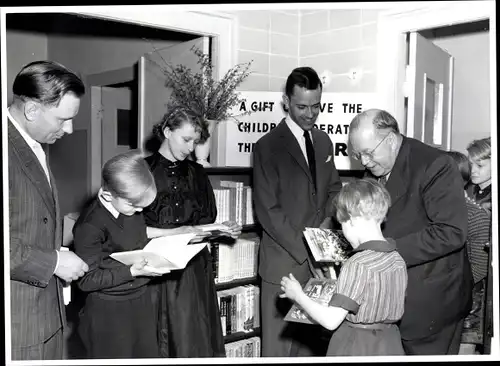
93	105
393	25
221	27
391	68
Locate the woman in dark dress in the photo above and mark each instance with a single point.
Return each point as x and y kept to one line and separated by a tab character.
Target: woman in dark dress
189	319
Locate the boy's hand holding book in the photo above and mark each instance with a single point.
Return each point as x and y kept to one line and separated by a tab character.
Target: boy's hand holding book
291	288
142	269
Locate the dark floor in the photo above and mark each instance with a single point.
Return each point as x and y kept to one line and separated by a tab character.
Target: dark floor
74	345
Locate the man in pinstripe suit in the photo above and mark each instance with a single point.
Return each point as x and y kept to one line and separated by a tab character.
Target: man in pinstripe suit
46	99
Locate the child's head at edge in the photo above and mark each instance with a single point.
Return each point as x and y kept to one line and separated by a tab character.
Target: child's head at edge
361	207
127	183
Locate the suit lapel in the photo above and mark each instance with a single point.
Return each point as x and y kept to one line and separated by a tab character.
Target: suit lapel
397	184
32	168
292	146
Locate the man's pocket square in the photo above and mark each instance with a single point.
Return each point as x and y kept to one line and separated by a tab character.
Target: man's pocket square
328	158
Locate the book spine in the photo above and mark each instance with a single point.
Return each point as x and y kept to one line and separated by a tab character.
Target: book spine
223	313
215	261
250	218
229	307
256	307
239	314
233	313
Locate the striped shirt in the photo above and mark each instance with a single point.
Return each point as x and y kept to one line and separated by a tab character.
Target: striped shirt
478	234
372	284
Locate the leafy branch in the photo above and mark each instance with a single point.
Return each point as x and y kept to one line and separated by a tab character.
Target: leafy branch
200	93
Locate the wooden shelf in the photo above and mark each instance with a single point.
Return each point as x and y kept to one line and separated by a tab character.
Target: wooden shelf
228	170
234	337
249	171
236	283
251	228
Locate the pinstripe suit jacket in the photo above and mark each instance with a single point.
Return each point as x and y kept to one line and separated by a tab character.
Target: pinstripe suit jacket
35	233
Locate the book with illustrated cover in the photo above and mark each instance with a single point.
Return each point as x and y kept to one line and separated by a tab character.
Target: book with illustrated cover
321	291
215	231
327	245
163	254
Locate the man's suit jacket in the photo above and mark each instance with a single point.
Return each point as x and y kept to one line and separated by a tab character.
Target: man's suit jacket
35	233
428	220
286	202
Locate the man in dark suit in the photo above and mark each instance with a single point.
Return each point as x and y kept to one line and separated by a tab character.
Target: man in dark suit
46	98
428	220
295	181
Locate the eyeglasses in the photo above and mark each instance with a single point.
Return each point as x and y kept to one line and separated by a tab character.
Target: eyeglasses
369	155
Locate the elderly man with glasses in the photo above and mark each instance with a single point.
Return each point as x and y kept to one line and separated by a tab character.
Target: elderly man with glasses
428	220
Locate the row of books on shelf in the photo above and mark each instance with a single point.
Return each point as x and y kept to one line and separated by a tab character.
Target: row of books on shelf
249	347
236	260
239	309
234	203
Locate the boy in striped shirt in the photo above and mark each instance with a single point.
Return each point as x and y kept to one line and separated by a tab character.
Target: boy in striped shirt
371	286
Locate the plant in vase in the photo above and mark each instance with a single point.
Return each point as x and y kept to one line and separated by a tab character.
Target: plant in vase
198	92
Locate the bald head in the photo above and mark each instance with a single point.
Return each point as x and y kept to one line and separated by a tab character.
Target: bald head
377	119
375	140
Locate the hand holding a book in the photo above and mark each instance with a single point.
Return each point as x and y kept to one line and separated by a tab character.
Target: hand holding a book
142	269
234	230
291	288
200	234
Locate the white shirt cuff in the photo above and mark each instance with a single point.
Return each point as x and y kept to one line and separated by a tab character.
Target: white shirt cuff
57	263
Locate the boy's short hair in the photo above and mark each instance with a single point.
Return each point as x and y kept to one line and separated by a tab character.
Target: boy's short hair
365	198
127	176
480	149
463	164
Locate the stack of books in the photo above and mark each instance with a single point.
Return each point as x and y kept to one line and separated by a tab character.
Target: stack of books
235	261
239	309
245	348
234	203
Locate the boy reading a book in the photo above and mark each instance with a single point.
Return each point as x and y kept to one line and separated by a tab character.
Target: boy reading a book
119	319
371	286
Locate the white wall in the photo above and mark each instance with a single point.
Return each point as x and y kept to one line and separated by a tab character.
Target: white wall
23	48
92	55
471	92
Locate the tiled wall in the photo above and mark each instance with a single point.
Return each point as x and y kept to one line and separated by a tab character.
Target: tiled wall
334	40
337	40
271	39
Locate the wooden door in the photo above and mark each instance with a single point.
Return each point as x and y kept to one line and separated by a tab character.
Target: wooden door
153	92
430	97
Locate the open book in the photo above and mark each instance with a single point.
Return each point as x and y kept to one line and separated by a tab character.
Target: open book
327	245
321	291
164	254
215	231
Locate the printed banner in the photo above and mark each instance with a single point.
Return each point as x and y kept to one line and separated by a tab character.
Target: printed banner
235	139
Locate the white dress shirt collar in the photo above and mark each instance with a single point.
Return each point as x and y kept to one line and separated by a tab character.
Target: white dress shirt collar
297	131
107	205
29	140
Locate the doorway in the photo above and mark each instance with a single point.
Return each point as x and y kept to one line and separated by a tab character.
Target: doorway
106	54
392	50
394	27
468	44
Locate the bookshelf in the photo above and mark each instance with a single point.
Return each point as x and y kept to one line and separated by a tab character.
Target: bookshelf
235	339
239	293
236	283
